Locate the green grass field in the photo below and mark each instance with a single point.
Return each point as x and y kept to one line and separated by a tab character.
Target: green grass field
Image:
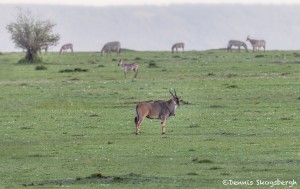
238	121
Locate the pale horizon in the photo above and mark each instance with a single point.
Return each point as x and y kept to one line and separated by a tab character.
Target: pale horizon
201	27
147	2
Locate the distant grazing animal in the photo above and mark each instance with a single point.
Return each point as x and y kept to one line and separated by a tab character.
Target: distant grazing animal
44	47
176	46
66	47
127	67
111	46
236	43
158	109
256	44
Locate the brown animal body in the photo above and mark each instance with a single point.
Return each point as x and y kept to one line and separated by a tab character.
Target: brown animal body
158	109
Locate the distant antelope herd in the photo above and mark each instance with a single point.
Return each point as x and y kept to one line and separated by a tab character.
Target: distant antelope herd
256	44
115	46
158	109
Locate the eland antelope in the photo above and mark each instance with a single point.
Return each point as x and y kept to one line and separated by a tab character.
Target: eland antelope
111	46
256	44
127	67
176	46
158	109
66	47
236	43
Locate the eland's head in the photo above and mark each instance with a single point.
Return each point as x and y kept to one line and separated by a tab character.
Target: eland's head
175	98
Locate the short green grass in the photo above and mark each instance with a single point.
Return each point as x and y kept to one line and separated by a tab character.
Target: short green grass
238	120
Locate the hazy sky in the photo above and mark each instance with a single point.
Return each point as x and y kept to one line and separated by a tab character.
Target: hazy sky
144	2
142	27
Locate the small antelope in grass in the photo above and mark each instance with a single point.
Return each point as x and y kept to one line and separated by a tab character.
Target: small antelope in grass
176	46
256	44
44	47
127	67
235	43
158	109
66	47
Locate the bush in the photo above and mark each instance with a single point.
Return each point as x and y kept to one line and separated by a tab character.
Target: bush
40	67
34	61
259	56
211	74
152	64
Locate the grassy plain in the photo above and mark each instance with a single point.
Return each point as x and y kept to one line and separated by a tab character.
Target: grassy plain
238	120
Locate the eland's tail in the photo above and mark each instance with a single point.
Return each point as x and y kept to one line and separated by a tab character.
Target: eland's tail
136	119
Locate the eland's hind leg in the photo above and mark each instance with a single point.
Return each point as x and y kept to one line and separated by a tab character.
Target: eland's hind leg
138	121
137	125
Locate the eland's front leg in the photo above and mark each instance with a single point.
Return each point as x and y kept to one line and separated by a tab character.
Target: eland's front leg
137	129
138	121
163	126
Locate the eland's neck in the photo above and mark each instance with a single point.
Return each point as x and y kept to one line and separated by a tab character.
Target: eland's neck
172	104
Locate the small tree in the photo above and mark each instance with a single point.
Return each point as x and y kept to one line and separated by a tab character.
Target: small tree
31	33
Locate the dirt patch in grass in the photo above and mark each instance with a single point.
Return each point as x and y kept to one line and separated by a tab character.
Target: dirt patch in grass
196	160
278	62
100	179
216	106
185	102
41	67
259	56
73	70
152	64
194	125
231	86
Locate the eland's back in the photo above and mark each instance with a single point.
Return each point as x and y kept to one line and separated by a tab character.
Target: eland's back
152	110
